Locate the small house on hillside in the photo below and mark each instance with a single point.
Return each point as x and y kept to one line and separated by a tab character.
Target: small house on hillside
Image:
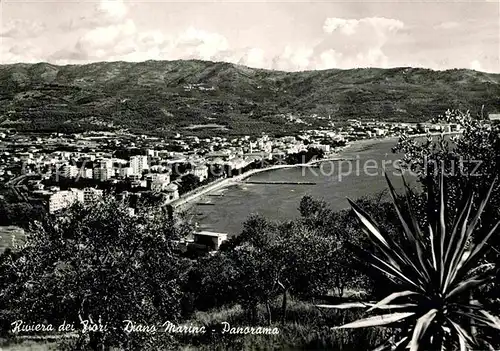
494	117
209	240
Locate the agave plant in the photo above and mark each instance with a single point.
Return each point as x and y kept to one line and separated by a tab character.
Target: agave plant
434	273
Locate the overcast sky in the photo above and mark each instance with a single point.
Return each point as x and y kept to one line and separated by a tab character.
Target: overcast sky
285	35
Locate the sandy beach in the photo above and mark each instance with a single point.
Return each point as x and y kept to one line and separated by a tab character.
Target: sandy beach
354	146
189	198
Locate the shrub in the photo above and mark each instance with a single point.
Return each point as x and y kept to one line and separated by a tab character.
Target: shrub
434	275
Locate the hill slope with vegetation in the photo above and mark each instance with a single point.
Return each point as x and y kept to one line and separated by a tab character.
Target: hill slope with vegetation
165	96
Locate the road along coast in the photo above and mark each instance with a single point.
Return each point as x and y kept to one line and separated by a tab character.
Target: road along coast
194	195
191	197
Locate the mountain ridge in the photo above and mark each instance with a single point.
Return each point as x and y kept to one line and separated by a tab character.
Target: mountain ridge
166	96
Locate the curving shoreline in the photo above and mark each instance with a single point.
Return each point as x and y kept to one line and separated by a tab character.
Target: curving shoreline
227	182
189	198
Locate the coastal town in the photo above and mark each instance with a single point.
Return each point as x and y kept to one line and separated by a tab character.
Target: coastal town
249	175
57	170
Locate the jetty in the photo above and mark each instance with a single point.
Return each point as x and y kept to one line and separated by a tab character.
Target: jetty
317	163
279	182
189	198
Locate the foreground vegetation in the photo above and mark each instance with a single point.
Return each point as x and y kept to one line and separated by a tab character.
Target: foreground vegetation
434	274
306	327
101	264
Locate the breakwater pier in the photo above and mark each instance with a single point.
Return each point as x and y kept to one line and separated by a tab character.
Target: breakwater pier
279	182
190	198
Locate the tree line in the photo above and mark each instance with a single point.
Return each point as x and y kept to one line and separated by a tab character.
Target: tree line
101	263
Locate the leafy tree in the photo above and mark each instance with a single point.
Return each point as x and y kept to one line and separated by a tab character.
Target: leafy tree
189	182
305	156
281	259
243	271
308	262
98	263
340	227
471	160
20	213
212	283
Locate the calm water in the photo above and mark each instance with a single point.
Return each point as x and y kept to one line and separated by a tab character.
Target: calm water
279	202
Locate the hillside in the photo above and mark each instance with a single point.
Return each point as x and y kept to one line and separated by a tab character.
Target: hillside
165	96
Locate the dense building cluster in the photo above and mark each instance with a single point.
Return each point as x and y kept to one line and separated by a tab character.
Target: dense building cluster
61	169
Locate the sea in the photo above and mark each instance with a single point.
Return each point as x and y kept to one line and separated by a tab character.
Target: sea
359	174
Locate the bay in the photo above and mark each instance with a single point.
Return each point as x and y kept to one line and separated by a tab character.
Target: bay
335	181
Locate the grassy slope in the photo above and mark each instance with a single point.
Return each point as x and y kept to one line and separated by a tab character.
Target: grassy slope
306	328
150	95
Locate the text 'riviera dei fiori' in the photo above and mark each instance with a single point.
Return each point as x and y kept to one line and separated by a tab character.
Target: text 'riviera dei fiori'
86	326
129	326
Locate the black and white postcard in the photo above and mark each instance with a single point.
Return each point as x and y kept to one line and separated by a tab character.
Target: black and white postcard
249	175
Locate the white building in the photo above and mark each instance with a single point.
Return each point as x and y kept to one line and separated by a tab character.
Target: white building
209	240
139	164
125	172
325	148
494	117
158	168
103	174
69	171
90	195
159	185
200	171
106	163
288	139
267	147
293	149
86	173
64	199
152	153
172	191
163	177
